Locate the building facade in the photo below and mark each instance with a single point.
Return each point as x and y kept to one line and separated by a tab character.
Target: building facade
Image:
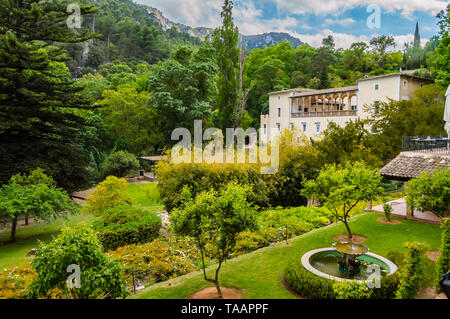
310	111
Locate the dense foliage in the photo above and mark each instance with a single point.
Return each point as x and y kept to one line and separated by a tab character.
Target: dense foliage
443	261
108	194
412	271
100	277
120	164
341	189
125	225
34	195
430	192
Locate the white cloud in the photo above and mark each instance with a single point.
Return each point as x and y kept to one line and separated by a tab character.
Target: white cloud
343	22
407	7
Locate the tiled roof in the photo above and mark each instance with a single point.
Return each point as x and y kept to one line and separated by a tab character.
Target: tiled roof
409	165
408	74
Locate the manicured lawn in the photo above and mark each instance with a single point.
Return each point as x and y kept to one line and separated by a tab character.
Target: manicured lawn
260	273
145	194
28	237
11	254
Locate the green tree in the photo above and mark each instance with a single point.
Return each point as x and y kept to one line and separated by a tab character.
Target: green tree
127	114
380	46
421	116
430	192
100	276
230	100
182	93
120	164
215	219
37	93
441	62
352	143
34	196
341	189
108	194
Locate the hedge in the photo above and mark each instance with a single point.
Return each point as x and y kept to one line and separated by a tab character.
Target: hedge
312	286
127	225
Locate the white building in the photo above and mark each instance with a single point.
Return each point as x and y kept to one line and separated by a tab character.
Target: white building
310	111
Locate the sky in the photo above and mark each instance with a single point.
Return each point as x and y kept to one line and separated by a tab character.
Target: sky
313	20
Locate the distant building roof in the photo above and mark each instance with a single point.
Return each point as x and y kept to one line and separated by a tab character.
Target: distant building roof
296	90
409	165
407	74
328	91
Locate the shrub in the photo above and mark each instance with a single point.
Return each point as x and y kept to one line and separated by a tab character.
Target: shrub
412	270
430	192
14	281
101	277
388	287
443	262
159	260
387	208
120	164
125	225
111	192
351	290
307	284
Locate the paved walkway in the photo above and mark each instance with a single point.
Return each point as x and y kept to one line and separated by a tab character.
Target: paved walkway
400	206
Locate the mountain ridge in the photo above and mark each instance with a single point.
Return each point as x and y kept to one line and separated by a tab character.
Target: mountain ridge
249	41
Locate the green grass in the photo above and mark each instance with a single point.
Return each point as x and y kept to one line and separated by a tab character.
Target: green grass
260	273
28	237
146	195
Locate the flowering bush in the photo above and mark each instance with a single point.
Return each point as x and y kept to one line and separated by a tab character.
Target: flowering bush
157	261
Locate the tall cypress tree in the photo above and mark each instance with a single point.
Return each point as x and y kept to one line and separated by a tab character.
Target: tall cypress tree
40	103
225	41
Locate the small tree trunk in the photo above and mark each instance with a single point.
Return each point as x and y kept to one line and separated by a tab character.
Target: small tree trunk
216	280
13	229
26	219
348	230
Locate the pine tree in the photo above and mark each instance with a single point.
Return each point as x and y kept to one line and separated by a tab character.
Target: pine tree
40	104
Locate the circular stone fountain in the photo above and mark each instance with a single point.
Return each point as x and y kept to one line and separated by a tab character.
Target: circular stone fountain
346	261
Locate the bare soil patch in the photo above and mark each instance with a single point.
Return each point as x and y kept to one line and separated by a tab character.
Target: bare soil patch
170	284
384	220
211	293
433	255
356	238
430	293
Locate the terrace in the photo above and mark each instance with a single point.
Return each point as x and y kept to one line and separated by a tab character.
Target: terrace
325	103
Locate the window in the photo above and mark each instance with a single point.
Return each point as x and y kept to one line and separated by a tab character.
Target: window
278	127
265	129
279	97
279	112
304	127
317	127
405	84
291	126
354	107
377	87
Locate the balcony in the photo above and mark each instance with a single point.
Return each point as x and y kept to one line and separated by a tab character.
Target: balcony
324	114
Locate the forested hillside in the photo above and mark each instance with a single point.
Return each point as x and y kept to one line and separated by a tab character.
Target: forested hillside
71	100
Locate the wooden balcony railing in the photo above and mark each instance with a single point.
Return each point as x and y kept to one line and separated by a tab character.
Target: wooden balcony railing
324	114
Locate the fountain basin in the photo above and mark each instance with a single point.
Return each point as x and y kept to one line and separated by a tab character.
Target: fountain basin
324	263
